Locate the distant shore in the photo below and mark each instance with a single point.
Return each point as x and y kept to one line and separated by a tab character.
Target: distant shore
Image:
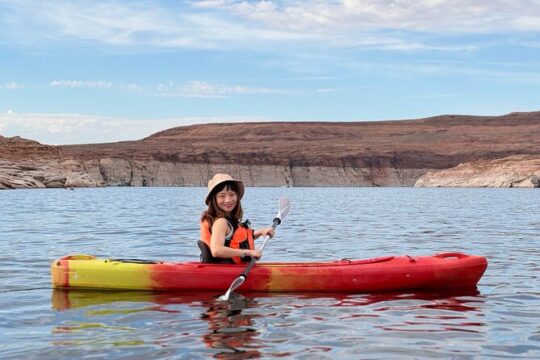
443	151
513	171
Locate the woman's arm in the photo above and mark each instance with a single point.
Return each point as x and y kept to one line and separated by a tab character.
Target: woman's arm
220	228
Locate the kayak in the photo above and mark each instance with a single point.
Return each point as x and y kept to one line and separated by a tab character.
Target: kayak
388	273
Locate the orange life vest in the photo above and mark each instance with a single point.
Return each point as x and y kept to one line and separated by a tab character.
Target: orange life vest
241	238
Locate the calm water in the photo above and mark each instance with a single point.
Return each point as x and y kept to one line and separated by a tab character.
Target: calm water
500	319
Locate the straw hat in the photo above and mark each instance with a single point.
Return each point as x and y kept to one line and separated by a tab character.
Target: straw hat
219	179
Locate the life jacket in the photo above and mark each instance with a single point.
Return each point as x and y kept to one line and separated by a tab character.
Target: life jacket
239	238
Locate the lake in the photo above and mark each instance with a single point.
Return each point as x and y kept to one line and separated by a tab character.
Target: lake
499	319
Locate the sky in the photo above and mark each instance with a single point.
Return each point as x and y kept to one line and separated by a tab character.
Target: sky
101	71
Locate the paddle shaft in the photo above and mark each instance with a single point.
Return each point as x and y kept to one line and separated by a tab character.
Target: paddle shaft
275	223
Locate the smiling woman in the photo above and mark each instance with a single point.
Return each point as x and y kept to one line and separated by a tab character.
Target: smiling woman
229	239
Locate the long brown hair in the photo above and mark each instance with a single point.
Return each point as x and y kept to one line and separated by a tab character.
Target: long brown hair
214	212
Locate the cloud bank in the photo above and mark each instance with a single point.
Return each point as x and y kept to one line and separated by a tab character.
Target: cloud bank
226	24
63	129
176	89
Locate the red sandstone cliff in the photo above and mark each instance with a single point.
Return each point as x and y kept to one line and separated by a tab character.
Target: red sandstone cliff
383	153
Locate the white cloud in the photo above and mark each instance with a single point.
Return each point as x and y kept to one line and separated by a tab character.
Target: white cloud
360	15
259	24
63	129
12	86
81	84
326	91
206	89
173	89
132	87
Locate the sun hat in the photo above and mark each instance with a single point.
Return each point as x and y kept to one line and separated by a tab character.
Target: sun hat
219	179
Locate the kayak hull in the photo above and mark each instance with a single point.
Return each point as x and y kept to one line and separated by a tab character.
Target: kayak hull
390	273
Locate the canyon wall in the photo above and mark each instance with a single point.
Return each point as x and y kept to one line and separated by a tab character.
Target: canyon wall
121	172
449	150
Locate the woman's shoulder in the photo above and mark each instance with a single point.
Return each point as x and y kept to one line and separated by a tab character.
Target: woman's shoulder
220	219
220	222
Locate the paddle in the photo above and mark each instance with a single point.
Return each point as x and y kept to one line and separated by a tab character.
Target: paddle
284	206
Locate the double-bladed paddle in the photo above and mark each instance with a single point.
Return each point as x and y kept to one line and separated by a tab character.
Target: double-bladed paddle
284	206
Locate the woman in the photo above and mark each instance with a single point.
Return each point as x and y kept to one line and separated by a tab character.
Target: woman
221	227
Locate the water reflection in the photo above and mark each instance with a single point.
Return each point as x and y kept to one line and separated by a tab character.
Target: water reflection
249	327
456	299
231	329
74	299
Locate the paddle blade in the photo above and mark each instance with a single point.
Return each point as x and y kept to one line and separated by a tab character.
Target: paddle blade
284	207
236	283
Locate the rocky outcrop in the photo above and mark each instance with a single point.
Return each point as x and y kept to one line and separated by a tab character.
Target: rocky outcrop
28	175
512	171
383	153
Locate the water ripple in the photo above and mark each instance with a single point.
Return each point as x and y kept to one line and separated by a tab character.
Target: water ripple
500	319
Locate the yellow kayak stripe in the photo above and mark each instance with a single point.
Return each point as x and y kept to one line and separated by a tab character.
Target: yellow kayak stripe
98	273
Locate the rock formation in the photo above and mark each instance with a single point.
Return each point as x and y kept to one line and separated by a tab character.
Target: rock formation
425	152
511	171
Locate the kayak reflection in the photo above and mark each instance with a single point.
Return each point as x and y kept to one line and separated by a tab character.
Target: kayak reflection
63	299
456	300
238	328
230	331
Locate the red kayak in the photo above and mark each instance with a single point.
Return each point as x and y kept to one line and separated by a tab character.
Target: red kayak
389	273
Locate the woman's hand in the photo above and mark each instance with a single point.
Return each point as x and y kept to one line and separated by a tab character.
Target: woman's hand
264	231
254	253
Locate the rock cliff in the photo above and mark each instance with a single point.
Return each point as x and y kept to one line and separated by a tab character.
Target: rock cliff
511	171
383	153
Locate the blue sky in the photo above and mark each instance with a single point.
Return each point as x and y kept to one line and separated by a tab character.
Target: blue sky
98	71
